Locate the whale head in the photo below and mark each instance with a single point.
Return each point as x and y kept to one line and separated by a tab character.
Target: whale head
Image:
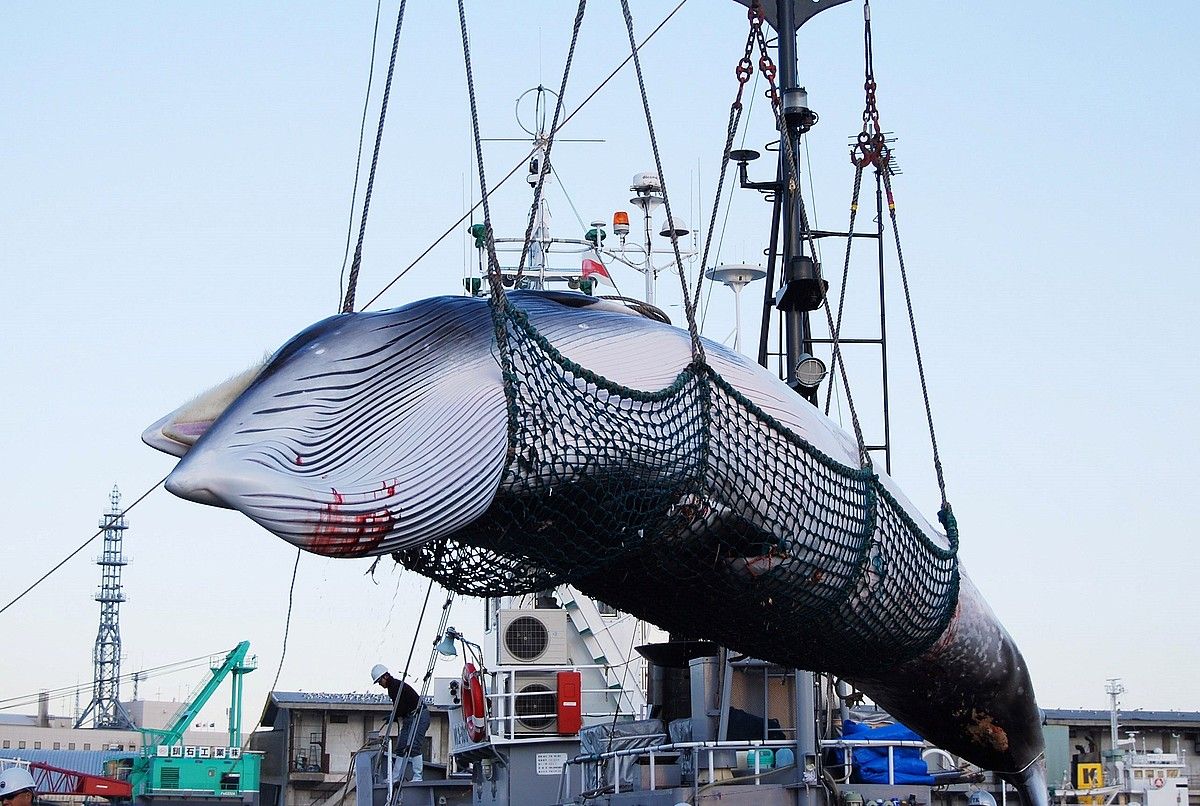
364	434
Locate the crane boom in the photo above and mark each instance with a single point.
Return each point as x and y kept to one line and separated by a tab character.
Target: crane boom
234	663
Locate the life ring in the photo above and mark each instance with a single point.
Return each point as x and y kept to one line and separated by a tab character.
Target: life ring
474	703
1158	783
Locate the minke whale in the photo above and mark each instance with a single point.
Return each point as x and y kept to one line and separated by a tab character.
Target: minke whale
388	432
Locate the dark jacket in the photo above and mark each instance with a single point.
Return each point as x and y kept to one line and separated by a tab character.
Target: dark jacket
405	695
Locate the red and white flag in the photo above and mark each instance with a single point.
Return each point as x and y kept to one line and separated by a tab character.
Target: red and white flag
594	270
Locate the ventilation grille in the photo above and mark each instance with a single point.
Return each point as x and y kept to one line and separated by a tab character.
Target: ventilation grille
526	638
535	706
170	778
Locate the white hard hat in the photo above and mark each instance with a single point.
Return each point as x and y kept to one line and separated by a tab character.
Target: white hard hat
378	671
14	781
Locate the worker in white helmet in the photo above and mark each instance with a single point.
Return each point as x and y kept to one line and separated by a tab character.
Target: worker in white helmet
16	787
414	722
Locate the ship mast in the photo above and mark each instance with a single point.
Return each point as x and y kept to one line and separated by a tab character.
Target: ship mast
801	291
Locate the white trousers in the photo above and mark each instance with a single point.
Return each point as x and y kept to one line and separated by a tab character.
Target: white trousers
412	733
400	762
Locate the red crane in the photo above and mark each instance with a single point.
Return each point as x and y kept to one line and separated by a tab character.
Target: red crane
55	780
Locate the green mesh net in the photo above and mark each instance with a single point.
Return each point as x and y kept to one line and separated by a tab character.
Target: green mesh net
692	508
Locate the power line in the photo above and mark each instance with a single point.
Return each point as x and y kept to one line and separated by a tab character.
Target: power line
525	159
82	546
141	674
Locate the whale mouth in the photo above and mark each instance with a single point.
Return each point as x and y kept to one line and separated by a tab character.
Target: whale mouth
324	520
187	487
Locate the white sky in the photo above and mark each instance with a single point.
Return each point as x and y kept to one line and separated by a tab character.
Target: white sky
176	182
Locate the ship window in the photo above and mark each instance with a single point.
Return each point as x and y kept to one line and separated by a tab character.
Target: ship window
21	745
57	746
7	744
70	745
87	745
37	745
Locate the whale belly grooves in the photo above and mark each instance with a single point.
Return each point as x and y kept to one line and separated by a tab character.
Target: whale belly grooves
628	459
591	449
355	440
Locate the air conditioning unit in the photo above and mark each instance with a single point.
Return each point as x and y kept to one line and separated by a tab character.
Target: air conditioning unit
532	637
535	705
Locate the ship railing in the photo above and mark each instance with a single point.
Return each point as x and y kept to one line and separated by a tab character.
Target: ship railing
848	745
508	722
593	762
574	246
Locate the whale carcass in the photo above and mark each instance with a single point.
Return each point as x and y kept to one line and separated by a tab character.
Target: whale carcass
568	440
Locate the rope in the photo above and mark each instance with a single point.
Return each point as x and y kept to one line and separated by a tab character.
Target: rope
612	74
858	172
287	623
612	728
362	133
391	720
412	739
421	618
494	278
792	177
81	547
352	283
689	304
743	71
912	322
544	167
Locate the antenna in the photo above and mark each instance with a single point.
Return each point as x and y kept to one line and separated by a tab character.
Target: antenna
1114	688
105	709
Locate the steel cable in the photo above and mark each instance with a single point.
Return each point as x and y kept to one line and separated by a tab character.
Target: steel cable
352	282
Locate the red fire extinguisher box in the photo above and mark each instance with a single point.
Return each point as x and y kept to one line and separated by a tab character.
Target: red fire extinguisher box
570	703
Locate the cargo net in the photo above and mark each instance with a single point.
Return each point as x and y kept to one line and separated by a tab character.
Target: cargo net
692	508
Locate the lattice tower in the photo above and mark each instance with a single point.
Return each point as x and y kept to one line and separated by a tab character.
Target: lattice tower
105	709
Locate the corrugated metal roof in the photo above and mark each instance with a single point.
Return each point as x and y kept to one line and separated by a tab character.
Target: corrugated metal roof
326	699
330	701
1126	717
24	720
89	761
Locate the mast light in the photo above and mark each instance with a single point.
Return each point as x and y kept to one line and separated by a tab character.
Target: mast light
621	222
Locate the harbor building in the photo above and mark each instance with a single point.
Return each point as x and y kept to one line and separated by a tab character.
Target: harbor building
44	731
309	739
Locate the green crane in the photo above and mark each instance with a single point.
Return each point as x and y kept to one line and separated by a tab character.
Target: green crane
235	664
167	769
